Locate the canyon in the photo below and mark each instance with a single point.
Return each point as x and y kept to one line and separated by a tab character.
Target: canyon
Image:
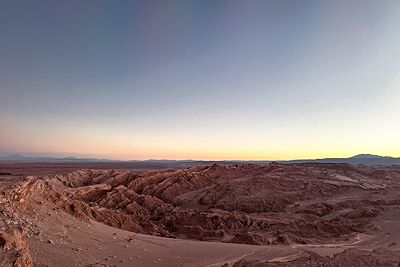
274	214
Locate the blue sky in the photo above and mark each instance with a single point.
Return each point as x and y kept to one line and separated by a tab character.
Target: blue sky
200	79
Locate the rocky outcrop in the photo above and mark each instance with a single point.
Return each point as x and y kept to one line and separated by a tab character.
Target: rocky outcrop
15	251
259	205
272	204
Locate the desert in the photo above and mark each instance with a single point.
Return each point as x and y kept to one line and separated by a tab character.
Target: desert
273	214
199	133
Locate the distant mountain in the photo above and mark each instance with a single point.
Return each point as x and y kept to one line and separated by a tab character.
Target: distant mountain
364	159
21	158
366	156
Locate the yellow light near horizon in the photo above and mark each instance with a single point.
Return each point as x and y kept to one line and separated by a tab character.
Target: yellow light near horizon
375	135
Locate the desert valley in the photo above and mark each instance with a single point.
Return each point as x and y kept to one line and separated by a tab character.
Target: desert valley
273	214
198	133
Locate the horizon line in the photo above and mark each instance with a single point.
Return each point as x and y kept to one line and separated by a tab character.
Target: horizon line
27	156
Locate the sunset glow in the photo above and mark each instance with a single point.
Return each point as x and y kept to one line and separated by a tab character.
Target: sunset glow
200	80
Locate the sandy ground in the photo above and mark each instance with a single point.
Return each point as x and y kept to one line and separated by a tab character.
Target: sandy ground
74	243
71	242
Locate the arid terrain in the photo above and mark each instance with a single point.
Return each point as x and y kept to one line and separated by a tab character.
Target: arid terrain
309	214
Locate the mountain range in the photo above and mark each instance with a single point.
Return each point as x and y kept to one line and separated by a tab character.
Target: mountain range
364	159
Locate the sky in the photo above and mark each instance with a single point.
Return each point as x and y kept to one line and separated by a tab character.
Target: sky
200	79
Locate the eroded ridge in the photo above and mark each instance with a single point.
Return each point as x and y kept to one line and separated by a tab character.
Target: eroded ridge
303	206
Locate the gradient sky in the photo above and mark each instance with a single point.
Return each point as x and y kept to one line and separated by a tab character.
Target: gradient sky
200	79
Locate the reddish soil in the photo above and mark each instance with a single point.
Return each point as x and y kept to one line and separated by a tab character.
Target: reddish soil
250	215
